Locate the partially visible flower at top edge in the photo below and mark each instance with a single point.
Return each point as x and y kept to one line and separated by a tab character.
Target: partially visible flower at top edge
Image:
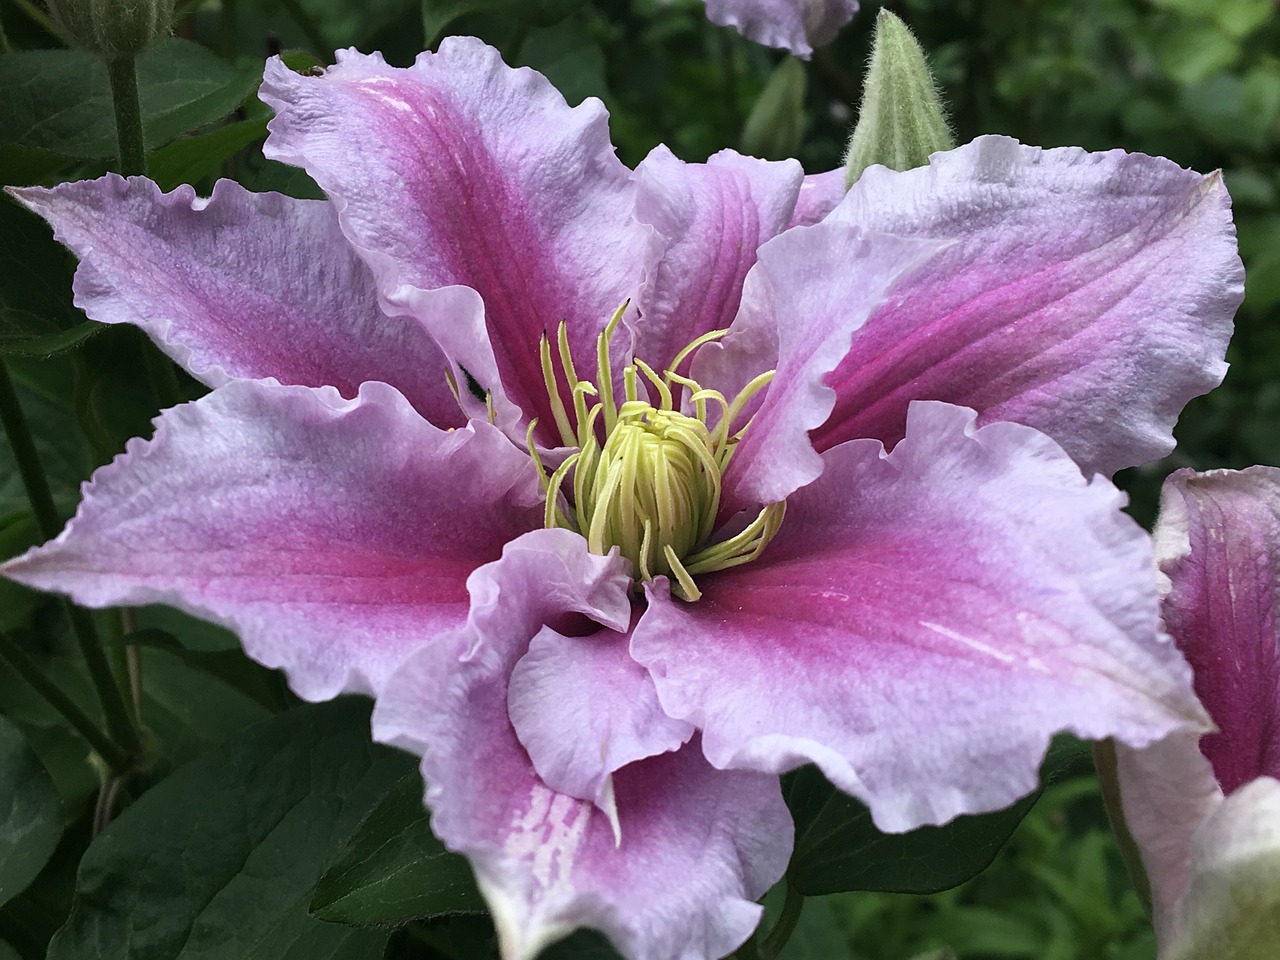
795	25
918	623
1205	811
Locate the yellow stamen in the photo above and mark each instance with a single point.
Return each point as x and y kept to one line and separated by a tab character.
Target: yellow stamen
646	478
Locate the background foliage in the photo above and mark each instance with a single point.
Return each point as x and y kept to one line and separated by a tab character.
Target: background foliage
262	828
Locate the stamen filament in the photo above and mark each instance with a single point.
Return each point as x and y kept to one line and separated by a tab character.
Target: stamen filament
553	393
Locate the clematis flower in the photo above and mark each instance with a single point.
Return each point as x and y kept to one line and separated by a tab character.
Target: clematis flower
795	25
638	566
1205	811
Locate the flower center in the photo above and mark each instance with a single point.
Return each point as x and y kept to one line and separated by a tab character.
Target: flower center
651	486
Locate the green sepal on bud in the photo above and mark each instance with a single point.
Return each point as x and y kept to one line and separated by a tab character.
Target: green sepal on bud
901	120
113	28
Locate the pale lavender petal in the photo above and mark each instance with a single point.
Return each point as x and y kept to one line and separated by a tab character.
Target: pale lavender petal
461	170
795	25
924	622
697	845
709	219
1232	906
240	285
583	709
334	536
820	193
1089	295
813	287
1166	791
1218	542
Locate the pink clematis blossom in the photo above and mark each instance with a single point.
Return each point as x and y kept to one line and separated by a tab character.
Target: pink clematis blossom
795	25
516	583
1205	811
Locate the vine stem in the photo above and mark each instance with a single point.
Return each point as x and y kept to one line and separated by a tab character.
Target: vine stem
123	73
119	726
25	667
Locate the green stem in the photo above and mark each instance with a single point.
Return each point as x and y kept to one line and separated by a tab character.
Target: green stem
5	46
123	72
39	16
228	29
1104	758
37	487
25	667
24	453
777	938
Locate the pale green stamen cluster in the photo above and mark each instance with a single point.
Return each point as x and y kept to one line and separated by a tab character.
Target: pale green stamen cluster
652	486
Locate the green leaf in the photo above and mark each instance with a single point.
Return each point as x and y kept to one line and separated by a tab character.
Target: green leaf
30	813
60	100
218	861
438	14
394	869
838	848
35	279
7	952
191	159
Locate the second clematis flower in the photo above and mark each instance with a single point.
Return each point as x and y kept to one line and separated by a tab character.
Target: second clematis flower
1205	811
479	444
795	25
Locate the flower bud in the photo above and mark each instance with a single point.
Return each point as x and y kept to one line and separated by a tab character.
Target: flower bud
113	28
901	120
775	126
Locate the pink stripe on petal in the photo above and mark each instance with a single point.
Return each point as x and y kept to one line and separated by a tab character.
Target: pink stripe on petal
697	845
1218	542
812	288
334	536
709	218
1087	295
469	172
240	285
924	622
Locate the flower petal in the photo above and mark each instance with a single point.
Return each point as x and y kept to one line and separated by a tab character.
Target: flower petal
334	536
240	285
1166	790
469	172
795	25
812	288
820	193
697	845
1232	906
710	218
1087	295
924	622
584	709
1218	542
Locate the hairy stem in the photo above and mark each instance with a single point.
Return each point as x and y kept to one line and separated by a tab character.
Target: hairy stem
132	152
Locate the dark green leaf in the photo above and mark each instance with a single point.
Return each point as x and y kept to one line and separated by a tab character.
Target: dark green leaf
231	667
7	952
42	389
60	101
19	336
30	812
218	861
438	14
394	869
191	159
838	848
